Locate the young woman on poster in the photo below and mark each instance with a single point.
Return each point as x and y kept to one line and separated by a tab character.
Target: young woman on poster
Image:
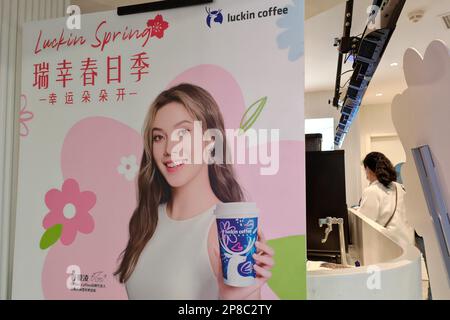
173	249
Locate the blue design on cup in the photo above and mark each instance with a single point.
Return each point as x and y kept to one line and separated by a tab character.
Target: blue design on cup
237	237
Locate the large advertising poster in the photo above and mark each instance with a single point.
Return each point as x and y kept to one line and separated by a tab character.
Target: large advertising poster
107	109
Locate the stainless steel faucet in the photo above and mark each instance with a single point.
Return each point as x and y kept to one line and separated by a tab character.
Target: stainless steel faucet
329	221
329	228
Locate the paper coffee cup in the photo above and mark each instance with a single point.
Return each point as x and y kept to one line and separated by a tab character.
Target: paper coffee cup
237	229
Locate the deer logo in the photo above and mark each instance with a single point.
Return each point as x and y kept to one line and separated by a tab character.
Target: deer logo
215	15
236	258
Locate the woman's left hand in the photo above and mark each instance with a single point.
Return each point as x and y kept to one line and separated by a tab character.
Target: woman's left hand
264	261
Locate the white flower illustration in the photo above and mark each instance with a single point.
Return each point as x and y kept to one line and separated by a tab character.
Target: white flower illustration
128	167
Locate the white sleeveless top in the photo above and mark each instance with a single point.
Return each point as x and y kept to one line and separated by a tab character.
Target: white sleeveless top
175	264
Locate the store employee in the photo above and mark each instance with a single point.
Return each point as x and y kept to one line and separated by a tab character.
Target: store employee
383	200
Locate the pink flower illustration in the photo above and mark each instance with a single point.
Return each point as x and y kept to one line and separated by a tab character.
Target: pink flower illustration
24	116
70	208
158	26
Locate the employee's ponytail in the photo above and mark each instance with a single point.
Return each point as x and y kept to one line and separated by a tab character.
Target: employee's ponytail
379	164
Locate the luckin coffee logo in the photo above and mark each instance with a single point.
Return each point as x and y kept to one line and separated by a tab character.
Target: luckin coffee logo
214	16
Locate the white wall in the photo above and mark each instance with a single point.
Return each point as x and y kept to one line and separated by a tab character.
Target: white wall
13	13
375	119
316	106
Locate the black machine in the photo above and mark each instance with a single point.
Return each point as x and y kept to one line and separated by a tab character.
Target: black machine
367	51
325	197
313	142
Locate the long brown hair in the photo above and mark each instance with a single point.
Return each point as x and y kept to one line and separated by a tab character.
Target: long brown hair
382	167
154	190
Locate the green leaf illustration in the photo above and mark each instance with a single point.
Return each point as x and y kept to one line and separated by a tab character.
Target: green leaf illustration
288	280
254	111
50	236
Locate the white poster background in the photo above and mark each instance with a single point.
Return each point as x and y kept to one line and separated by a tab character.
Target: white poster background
247	50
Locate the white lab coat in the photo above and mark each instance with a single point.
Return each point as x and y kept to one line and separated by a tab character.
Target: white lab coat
378	204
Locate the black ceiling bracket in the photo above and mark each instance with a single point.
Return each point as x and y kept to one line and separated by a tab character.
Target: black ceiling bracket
344	45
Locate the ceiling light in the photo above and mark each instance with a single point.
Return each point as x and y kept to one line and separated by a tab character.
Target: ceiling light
379	94
416	15
395	64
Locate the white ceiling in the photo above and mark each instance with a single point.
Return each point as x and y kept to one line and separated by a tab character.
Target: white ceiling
325	22
321	56
315	7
